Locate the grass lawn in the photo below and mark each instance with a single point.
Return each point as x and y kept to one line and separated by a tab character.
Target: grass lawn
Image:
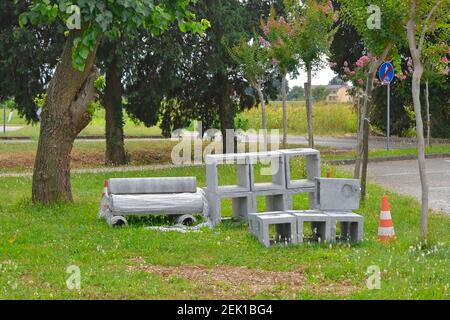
95	128
38	243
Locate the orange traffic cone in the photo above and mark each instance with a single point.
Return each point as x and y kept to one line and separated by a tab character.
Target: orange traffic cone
329	173
386	228
105	188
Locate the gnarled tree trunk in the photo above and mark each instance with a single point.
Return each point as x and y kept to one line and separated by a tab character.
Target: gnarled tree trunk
112	101
65	114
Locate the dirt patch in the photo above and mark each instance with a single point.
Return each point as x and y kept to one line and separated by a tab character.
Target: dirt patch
230	282
83	159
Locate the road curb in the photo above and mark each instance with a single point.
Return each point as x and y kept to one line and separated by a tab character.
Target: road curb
387	159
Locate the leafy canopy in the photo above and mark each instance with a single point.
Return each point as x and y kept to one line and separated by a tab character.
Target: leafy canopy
112	18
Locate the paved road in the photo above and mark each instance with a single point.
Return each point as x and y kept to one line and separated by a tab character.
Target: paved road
403	177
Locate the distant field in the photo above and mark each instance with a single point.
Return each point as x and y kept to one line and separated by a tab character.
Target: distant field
329	119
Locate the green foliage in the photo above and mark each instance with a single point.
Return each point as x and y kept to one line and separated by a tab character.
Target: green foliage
320	93
253	58
39	100
296	93
112	18
100	83
313	20
392	26
280	45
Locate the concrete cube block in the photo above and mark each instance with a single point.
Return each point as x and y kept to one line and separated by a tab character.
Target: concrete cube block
337	194
242	204
275	200
352	225
285	228
273	165
240	161
320	224
312	166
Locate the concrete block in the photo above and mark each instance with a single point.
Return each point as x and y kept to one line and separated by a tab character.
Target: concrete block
337	194
273	165
321	224
312	166
352	226
242	173
242	204
275	200
285	228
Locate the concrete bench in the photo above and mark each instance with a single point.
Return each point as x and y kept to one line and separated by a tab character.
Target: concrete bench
176	196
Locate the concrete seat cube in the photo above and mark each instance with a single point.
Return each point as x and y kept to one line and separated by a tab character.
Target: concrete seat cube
285	228
352	226
242	204
312	157
272	166
321	225
242	174
337	194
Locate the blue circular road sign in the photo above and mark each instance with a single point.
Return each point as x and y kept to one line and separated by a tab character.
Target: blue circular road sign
386	73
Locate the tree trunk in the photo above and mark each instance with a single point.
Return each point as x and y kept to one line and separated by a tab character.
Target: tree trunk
65	114
263	111
309	107
365	159
427	99
283	98
417	74
362	140
112	101
226	115
361	131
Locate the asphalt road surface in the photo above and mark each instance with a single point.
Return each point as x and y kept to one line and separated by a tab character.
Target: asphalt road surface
403	177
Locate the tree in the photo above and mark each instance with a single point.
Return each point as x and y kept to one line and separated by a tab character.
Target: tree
26	72
379	39
211	87
314	20
279	33
296	93
424	17
336	81
73	86
253	59
320	93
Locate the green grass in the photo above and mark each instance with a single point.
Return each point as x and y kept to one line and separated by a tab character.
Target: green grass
343	120
95	128
38	243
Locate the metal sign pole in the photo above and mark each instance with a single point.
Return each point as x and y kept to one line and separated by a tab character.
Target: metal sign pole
388	114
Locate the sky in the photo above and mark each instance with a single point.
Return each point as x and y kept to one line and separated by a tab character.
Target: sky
322	77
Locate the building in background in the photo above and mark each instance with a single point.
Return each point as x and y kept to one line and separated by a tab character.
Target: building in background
339	93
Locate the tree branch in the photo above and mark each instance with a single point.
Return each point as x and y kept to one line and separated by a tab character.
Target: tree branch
425	24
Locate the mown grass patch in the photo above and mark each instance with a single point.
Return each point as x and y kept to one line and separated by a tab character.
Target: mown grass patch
38	243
